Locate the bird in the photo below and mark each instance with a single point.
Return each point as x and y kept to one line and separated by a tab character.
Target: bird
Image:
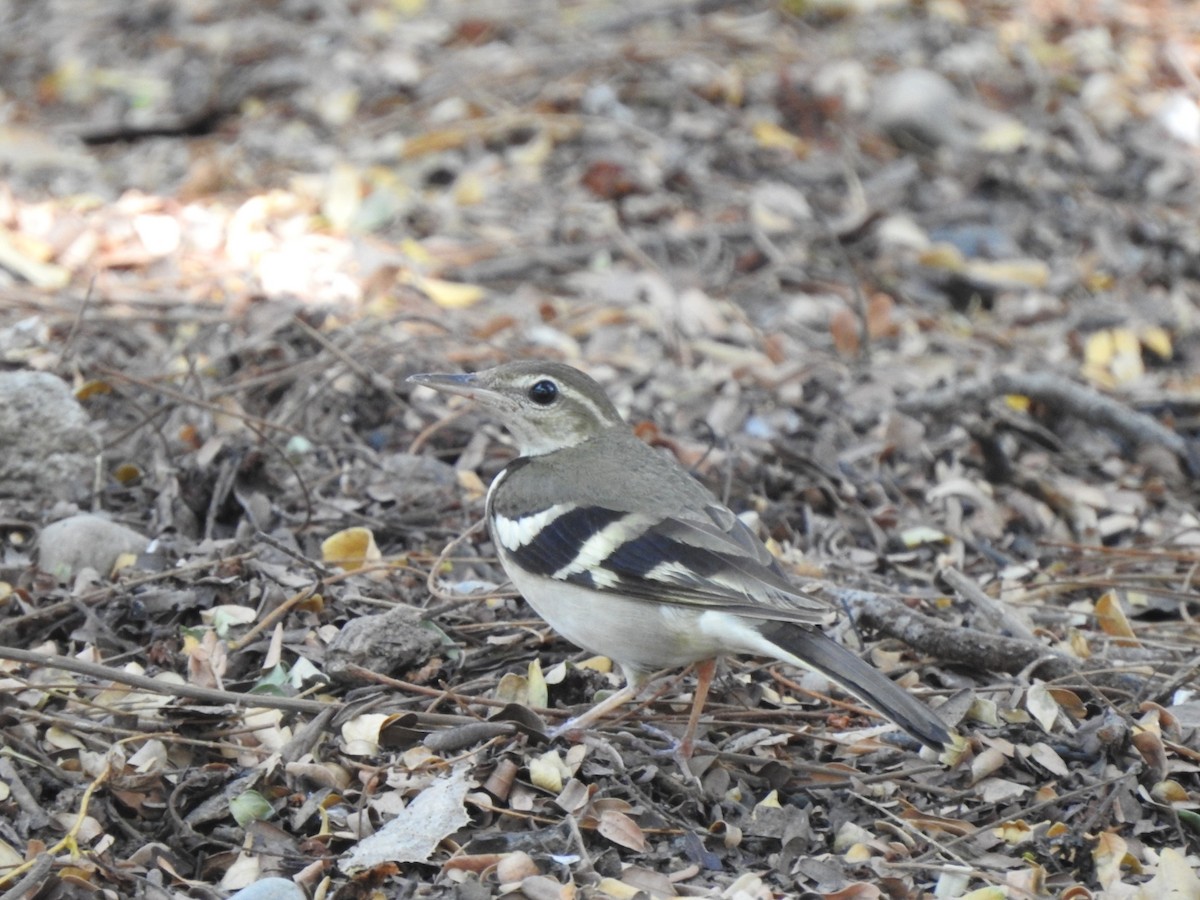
626	554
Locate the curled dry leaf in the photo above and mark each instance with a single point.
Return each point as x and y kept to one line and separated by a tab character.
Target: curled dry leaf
360	735
548	771
1150	745
351	549
500	782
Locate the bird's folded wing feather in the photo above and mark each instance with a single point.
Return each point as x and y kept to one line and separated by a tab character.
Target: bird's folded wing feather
711	564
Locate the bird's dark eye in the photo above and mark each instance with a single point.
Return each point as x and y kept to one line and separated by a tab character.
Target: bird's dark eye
544	392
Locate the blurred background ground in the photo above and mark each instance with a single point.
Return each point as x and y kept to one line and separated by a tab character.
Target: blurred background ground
914	286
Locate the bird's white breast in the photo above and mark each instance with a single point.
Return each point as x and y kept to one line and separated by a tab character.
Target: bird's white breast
638	635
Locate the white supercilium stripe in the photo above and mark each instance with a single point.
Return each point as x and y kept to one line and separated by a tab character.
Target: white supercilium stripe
513	534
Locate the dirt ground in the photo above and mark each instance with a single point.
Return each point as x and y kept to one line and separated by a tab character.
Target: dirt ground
915	288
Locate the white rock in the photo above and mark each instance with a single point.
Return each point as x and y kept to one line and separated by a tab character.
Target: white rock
918	108
47	446
85	542
1180	118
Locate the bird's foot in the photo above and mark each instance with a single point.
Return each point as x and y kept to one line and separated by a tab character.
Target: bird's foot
678	749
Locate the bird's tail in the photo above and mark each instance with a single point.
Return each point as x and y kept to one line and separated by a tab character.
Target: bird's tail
815	649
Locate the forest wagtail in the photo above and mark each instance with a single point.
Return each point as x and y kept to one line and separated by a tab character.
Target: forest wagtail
624	553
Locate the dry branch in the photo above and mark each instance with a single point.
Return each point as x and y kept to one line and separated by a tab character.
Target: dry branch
977	650
1066	398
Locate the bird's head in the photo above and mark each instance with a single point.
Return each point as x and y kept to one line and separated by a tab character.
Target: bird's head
546	406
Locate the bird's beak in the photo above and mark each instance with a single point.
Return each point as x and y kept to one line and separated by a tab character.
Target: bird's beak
466	385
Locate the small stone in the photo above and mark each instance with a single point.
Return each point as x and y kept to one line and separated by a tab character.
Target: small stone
86	541
393	643
47	446
918	109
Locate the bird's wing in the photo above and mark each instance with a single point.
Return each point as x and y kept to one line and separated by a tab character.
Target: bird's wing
711	564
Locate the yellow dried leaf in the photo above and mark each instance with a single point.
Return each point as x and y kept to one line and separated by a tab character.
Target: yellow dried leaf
1070	703
1111	854
1158	341
361	734
1098	349
512	688
127	473
619	890
556	674
227	615
985	710
1079	644
538	693
1176	877
771	801
773	137
858	853
991	892
943	256
1125	342
449	294
1111	618
547	772
9	857
61	739
1169	792
471	484
530	158
987	762
1029	272
749	886
92	388
952	881
469	189
1006	137
19	254
1013	832
1017	402
1127	362
343	196
921	535
233	420
351	549
1045	794
415	252
124	561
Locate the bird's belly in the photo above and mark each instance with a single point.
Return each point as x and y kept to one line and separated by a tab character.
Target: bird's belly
638	635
